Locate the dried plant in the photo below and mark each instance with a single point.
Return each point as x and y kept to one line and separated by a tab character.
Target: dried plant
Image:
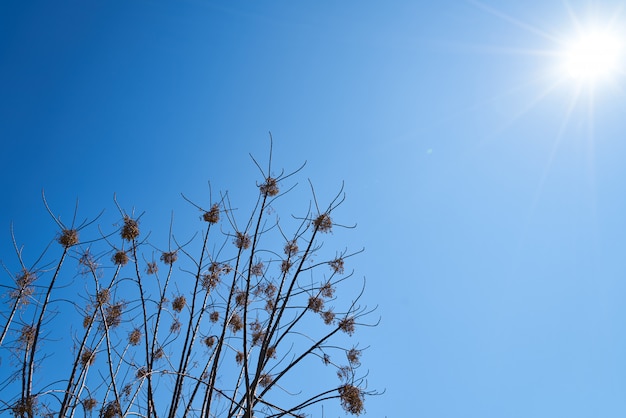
135	353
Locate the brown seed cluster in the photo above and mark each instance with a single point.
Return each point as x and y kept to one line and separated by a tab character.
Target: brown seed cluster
175	327
285	266
354	357
291	247
111	410
347	325
239	358
120	258
351	399
258	334
327	290
134	337
113	315
328	317
242	241
241	298
265	380
27	336
270	187
179	303
23	282
141	373
152	268
323	223
102	297
315	304
159	353
169	257
68	238
235	323
214	316
25	407
130	230
89	403
209	341
337	265
257	269
212	216
87	357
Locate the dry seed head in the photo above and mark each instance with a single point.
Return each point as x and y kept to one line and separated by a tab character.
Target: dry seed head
27	336
113	314
351	399
169	257
257	269
315	304
159	354
102	297
354	357
326	359
271	352
265	380
269	305
25	407
235	323
347	325
141	373
120	258
214	316
327	290
242	241
111	410
323	223
179	303
134	337
337	265
68	238
127	389
328	317
291	247
87	320
175	327
130	230
285	266
152	268
241	298
209	341
24	288
89	403
239	358
87	357
270	187
213	215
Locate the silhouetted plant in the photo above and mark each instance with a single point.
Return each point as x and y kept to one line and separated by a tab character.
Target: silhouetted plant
251	304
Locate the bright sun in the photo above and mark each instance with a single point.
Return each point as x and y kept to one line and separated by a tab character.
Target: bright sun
593	55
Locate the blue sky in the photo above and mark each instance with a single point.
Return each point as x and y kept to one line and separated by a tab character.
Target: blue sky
488	188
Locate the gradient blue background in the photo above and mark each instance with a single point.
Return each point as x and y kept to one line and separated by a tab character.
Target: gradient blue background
488	190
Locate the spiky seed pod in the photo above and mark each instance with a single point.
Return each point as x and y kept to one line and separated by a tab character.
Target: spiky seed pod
134	337
347	325
179	303
337	265
213	215
351	399
270	187
68	238
169	257
323	223
242	240
130	230
120	258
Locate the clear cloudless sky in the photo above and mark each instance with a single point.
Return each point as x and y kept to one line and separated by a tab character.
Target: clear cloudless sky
488	188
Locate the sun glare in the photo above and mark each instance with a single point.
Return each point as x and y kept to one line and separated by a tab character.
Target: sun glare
593	55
